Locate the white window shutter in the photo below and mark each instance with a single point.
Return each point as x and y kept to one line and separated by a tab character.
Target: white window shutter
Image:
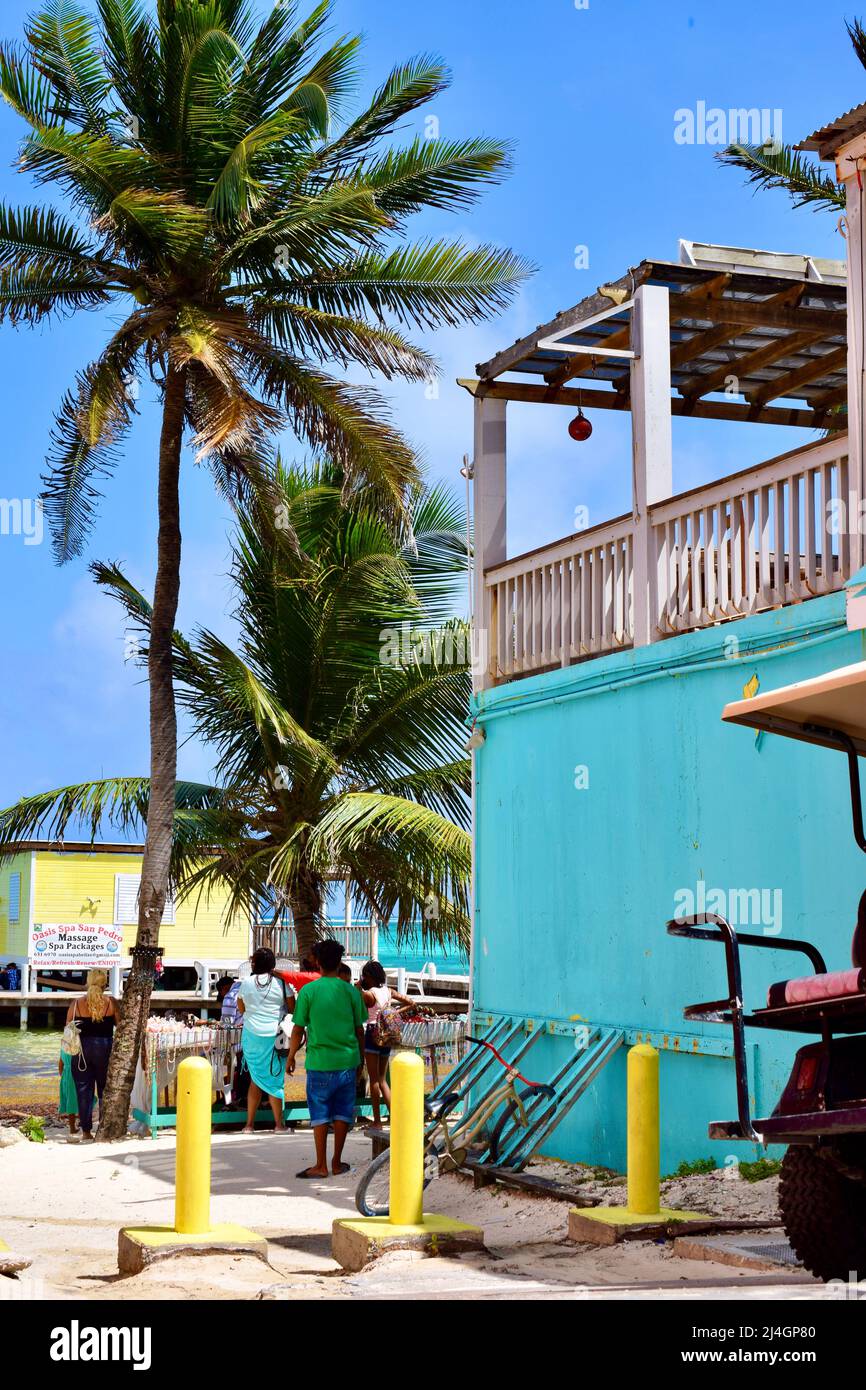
14	897
126	888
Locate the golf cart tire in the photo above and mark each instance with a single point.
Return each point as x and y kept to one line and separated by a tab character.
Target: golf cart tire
824	1212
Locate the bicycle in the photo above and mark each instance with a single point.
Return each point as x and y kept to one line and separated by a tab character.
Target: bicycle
446	1147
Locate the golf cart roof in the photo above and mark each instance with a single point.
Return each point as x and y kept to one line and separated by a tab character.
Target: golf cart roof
815	711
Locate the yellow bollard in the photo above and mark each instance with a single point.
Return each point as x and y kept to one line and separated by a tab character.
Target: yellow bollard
192	1164
643	1130
407	1140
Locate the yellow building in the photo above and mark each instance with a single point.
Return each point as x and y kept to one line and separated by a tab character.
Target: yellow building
44	885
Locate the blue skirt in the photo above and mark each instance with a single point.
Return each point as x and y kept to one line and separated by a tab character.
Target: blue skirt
266	1067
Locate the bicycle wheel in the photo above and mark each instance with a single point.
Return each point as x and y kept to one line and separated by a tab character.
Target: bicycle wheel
373	1193
509	1120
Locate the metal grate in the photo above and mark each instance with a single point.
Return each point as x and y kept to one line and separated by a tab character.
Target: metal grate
780	1252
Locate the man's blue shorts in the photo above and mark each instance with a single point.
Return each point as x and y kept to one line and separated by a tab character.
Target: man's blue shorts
331	1096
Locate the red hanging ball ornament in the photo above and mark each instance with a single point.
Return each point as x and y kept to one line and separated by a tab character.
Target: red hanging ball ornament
580	428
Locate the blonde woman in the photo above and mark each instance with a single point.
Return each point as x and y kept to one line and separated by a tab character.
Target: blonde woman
95	1015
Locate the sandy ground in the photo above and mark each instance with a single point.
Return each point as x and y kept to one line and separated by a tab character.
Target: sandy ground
62	1205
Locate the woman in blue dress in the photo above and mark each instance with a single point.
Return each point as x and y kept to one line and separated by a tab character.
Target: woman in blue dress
263	1001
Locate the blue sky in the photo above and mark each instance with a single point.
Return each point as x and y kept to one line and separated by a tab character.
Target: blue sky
588	94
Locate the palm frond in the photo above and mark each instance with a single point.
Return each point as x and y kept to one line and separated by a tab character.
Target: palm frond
34	292
306	332
857	35
407	87
430	283
365	828
350	423
85	446
25	89
64	48
435	173
131	56
769	166
119	802
41	236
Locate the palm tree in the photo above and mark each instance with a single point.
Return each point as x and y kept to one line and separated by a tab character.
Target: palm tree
781	166
221	200
337	719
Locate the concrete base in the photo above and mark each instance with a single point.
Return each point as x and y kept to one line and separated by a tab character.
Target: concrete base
763	1252
10	1263
356	1243
139	1247
609	1225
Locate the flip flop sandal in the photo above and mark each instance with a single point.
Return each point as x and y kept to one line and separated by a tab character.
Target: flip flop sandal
343	1168
312	1176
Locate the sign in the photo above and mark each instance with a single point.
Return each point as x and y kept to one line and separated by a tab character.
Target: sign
76	946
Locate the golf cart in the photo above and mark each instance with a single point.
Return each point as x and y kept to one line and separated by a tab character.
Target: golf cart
822	1111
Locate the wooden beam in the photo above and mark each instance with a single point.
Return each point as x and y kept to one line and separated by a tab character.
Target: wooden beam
702	342
699	343
826	401
751	313
594	304
812	370
748	364
613	400
575	365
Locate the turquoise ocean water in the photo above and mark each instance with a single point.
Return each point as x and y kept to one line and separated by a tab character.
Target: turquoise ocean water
413	956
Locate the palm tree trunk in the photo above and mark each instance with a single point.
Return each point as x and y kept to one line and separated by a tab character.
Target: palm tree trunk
306	904
114	1111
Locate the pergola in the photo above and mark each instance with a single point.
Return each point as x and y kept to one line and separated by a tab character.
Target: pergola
765	326
723	333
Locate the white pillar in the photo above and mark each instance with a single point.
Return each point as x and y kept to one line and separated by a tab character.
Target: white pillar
847	163
374	936
652	447
489	523
347	916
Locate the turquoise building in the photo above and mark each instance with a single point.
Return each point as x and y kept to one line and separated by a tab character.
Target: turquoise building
608	794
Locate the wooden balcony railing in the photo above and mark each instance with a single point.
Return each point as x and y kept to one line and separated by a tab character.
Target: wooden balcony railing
360	939
778	533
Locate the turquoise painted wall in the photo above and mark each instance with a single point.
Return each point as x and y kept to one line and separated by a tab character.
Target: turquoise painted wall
573	886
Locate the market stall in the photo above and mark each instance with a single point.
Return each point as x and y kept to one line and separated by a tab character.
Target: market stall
440	1041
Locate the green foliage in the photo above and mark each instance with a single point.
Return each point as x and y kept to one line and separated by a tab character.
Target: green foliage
336	720
773	166
759	1169
33	1128
784	167
689	1168
220	200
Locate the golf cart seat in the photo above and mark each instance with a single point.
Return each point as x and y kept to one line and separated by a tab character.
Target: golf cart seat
834	984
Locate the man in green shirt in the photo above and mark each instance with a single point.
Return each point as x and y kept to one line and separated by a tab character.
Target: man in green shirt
334	1015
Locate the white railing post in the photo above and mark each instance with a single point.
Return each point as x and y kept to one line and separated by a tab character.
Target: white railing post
374	936
652	449
489	519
